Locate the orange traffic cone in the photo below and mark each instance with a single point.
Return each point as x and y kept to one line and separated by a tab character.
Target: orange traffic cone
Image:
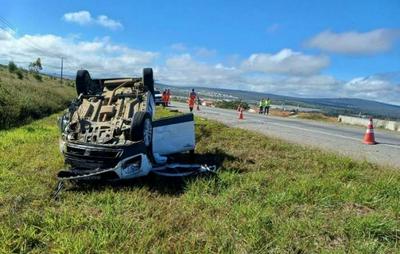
369	137
241	117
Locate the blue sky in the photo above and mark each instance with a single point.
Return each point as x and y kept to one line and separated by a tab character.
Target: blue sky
300	48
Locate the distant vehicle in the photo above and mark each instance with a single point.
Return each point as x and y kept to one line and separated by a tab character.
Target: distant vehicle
157	97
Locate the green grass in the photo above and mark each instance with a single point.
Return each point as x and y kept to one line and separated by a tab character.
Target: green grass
24	98
269	196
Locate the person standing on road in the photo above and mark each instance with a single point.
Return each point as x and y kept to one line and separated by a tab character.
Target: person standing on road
164	98
261	110
267	106
168	97
198	102
192	99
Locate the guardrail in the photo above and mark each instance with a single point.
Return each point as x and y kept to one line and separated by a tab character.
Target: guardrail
389	125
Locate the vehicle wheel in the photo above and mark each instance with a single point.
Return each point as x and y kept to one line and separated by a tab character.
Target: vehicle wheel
82	82
142	128
85	84
192	156
148	80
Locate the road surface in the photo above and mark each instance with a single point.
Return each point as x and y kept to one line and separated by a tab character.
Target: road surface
342	139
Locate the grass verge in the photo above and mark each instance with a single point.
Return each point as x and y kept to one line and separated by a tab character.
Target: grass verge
24	98
269	196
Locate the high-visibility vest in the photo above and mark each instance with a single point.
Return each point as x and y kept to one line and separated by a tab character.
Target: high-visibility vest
164	97
267	103
191	102
262	103
192	98
168	95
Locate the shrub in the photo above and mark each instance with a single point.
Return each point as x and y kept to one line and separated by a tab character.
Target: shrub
12	67
232	104
20	75
36	66
37	76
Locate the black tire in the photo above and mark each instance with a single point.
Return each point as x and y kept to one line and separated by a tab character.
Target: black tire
85	85
82	82
148	80
192	156
137	132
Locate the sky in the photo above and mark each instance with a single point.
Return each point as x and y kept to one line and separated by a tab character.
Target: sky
296	48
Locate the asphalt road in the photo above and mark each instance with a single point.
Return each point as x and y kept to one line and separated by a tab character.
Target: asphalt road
342	139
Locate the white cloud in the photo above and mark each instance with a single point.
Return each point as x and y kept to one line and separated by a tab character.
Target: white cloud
376	87
6	34
201	52
85	18
304	86
178	46
101	57
286	61
204	52
184	70
353	42
80	17
109	23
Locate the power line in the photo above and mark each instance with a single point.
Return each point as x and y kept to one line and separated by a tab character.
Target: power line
28	43
32	44
10	27
7	23
6	26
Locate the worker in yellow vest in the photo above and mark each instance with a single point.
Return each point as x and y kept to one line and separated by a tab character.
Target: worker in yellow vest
267	105
261	110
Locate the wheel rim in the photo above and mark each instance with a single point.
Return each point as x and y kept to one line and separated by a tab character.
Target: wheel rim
147	132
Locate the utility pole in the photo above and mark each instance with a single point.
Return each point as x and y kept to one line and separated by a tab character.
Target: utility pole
62	67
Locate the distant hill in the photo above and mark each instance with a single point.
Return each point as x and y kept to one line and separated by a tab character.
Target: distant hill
330	106
356	106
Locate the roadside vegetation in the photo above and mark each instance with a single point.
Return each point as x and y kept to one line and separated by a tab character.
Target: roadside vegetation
269	196
317	117
232	104
27	95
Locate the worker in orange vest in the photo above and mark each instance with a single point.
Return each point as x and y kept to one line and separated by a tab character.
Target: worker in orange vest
164	98
168	97
192	99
